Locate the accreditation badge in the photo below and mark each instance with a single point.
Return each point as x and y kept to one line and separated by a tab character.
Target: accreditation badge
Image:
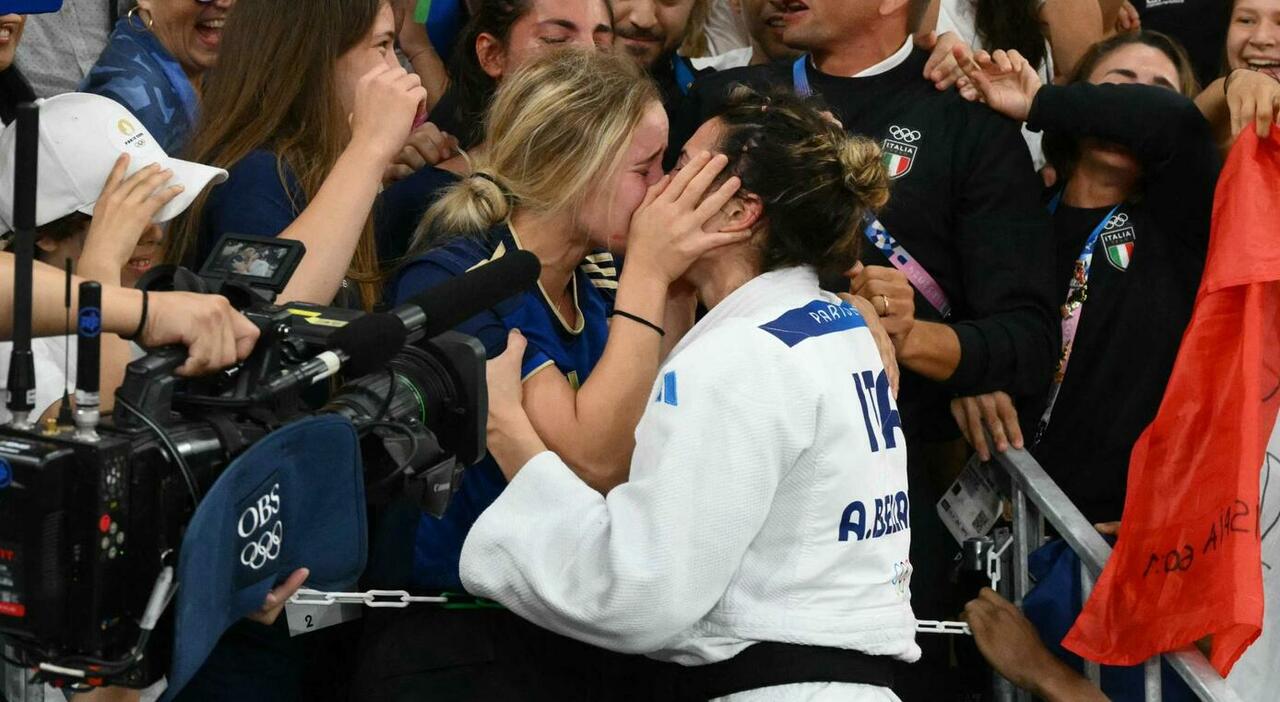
972	505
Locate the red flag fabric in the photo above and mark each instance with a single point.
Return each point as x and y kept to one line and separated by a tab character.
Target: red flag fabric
1188	560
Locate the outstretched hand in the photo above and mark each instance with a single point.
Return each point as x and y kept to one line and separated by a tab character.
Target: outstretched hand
511	437
1004	80
1253	98
947	54
993	412
1010	643
884	342
668	230
891	295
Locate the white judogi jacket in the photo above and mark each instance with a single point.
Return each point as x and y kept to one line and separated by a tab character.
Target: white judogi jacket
767	501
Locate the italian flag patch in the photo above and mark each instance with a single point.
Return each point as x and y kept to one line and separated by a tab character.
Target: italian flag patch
1119	247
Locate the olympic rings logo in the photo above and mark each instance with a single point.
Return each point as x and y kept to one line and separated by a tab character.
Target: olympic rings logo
902	134
1118	221
901	579
257	554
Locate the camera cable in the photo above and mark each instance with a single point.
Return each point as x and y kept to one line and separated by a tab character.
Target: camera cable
404	466
187	476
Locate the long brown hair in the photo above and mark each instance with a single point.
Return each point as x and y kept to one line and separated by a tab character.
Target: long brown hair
275	88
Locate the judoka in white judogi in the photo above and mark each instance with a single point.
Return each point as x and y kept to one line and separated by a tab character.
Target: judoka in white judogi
767	501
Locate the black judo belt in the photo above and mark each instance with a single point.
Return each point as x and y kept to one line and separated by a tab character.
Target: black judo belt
768	664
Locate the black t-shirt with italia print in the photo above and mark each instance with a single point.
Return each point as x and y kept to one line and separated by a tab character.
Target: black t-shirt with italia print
965	202
1144	277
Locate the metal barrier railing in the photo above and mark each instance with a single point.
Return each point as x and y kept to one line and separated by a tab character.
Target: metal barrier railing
1037	498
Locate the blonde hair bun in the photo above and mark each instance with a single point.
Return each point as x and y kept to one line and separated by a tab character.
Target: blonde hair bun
490	202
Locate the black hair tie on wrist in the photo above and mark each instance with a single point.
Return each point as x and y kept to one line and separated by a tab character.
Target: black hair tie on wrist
640	320
142	320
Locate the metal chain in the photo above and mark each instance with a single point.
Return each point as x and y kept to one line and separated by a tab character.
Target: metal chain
371	598
401	598
993	563
929	626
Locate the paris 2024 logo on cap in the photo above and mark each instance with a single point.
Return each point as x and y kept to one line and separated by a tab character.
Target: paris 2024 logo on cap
131	137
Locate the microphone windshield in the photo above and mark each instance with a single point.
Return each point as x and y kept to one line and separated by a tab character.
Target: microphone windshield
455	301
370	342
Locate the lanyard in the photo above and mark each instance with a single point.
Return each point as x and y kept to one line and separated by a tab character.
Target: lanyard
876	232
1072	310
800	76
684	73
920	278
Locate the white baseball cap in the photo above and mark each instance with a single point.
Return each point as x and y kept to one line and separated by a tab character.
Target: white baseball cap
81	136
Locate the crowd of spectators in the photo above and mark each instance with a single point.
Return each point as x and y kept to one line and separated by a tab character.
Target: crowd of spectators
971	175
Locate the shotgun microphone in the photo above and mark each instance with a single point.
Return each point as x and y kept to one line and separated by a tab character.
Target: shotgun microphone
369	343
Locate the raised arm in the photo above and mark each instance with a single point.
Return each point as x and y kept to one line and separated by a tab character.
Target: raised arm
1009	338
387	100
1115	15
1072	26
1154	123
1164	130
215	334
122	214
422	55
1243	99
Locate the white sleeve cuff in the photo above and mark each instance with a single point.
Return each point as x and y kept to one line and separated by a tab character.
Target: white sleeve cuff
509	533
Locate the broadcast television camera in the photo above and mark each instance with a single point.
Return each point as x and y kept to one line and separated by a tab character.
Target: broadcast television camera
92	517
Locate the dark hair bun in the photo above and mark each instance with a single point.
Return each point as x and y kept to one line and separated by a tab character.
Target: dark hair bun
816	181
864	171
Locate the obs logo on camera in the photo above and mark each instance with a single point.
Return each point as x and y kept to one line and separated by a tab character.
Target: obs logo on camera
260	530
